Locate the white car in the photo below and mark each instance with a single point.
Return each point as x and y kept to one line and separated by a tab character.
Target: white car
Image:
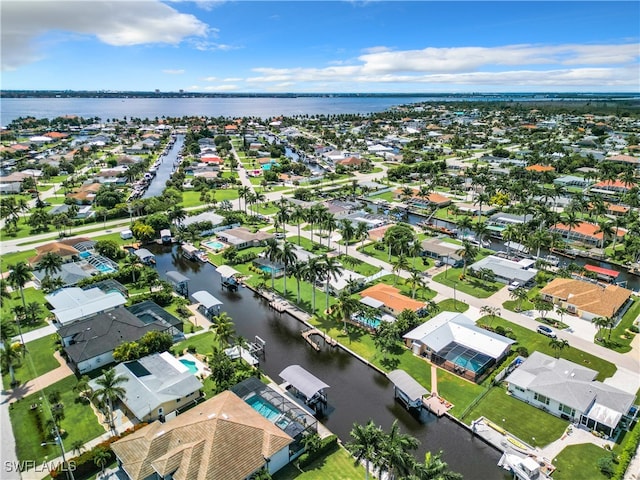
513	285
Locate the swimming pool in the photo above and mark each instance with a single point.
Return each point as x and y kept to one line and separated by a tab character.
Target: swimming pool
213	244
468	363
105	268
84	254
263	407
191	365
367	322
268	269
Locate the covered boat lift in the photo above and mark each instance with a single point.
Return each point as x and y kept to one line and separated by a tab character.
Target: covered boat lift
227	275
179	281
603	273
306	386
407	389
209	305
145	256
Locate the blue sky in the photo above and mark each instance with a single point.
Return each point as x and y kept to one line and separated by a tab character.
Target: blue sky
308	46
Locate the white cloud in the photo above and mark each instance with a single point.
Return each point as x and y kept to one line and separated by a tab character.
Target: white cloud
173	72
232	79
536	65
221	88
210	79
121	23
205	46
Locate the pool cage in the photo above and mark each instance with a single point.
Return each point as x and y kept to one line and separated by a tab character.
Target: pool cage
463	361
85	245
292	419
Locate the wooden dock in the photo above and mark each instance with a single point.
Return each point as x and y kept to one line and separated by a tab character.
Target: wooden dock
279	306
436	405
306	334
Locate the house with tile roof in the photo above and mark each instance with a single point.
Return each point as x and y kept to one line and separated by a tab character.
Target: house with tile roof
585	299
223	437
568	390
611	187
393	301
584	232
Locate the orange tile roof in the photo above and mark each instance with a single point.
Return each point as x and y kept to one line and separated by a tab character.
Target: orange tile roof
624	158
597	299
584	228
391	297
540	168
613	184
617	208
56	135
378	233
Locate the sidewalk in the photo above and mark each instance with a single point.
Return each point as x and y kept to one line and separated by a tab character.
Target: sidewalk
43	381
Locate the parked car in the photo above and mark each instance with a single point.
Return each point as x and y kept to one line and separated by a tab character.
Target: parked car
547	331
438	263
513	285
279	236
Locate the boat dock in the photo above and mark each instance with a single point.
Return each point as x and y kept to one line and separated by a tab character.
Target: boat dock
436	404
306	334
279	306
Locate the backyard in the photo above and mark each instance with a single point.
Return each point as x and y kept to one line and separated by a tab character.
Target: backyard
38	360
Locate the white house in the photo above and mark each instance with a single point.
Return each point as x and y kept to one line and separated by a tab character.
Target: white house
568	390
73	303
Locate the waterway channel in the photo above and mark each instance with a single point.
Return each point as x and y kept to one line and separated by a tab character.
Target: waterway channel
166	168
357	393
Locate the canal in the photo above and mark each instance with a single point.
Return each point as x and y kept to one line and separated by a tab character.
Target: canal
357	393
169	164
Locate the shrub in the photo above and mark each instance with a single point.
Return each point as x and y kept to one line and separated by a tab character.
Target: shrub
634	329
329	444
523	351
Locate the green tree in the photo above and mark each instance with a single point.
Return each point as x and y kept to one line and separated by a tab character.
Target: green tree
468	253
19	275
9	359
101	457
110	388
434	468
345	307
520	294
223	327
395	456
286	256
558	345
50	263
366	442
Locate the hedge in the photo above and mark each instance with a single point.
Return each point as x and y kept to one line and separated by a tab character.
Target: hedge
627	453
328	445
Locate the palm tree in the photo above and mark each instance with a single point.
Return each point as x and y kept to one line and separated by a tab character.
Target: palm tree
468	253
298	215
558	345
331	268
480	229
110	389
465	224
283	215
330	225
9	359
434	468
50	263
271	253
176	214
243	193
606	229
366	442
571	221
490	311
101	457
222	326
520	294
4	292
347	231
133	262
603	322
345	307
32	312
361	232
395	454
286	256
561	311
416	280
77	446
297	271
313	271
401	263
481	199
19	275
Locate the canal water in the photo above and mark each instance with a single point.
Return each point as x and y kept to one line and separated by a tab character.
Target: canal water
357	393
169	163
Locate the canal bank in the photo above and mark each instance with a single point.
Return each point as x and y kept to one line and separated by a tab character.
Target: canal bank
357	393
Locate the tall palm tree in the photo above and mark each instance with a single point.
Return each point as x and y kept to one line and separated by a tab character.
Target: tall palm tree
571	221
330	225
50	263
271	252
558	345
298	215
286	256
401	263
297	271
395	455
9	359
19	275
345	307
606	229
416	280
110	388
313	272
362	231
177	214
464	225
222	326
366	442
468	252
434	468
603	322
347	231
481	230
331	268
133	262
283	215
243	193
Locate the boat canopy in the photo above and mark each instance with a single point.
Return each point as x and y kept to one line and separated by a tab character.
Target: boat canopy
226	271
206	299
176	277
407	384
602	271
303	381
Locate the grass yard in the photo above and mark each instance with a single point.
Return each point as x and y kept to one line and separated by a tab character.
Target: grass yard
422	294
31	295
337	464
202	342
621	337
451	305
80	423
191	198
470	285
534	341
38	361
528	423
457	390
579	458
307	244
15	257
387	196
358	266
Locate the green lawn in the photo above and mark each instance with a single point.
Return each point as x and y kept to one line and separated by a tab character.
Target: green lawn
528	423
457	390
534	341
31	295
358	266
387	196
383	255
338	464
38	361
451	305
191	198
80	423
579	458
15	257
202	342
307	244
470	285
620	339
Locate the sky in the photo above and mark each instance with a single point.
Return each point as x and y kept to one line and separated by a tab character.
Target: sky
320	47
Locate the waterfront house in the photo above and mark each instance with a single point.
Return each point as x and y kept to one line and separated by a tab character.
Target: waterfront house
568	390
157	386
454	342
586	299
584	232
243	238
86	194
64	249
611	187
84	212
72	304
506	271
440	250
223	437
393	301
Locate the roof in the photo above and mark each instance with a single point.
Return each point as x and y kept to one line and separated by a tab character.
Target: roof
203	217
154	380
505	268
206	299
572	385
600	300
603	271
540	168
405	382
73	303
58	248
104	332
176	277
220	438
391	297
70	273
371	302
226	271
143	253
448	327
303	381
